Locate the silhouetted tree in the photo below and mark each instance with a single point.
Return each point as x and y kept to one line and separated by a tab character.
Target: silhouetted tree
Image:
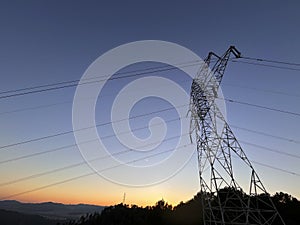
189	213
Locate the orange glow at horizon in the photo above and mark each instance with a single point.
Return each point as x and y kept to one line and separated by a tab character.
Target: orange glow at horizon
98	191
107	200
104	195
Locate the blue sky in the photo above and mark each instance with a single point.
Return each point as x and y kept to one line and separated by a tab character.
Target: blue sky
53	41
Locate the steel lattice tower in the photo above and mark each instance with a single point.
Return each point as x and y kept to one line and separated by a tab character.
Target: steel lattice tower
224	201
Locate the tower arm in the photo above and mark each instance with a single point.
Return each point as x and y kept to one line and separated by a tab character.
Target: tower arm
219	67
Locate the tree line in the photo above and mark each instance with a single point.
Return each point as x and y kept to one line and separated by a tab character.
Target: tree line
188	213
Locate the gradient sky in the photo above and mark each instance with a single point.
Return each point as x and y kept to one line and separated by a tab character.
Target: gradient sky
54	41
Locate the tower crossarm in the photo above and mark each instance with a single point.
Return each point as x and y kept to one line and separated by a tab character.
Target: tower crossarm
205	85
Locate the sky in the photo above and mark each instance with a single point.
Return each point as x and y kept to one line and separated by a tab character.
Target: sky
55	41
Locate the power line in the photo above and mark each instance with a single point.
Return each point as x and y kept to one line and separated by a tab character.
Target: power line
145	127
82	163
275	168
126	151
133	161
262	90
166	109
72	81
270	61
272	167
34	107
89	174
41	153
75	144
183	81
30	90
266	134
261	107
133	71
49	185
70	166
266	65
67	84
117	73
270	149
252	161
72	131
71	101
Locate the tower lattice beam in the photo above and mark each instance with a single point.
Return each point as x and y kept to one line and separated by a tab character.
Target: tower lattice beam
224	200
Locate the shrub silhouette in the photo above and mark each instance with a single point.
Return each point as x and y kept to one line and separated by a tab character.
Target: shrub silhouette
189	213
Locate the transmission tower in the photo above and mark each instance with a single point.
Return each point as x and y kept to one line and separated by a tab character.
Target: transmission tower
223	199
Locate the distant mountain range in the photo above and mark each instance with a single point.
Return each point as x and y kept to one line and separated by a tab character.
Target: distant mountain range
50	210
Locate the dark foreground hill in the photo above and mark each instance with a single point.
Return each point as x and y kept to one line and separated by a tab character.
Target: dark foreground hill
15	218
189	213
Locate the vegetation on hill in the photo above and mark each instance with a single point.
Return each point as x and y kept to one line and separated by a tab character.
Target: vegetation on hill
189	213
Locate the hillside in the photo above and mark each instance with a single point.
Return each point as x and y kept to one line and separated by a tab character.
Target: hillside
56	211
189	213
15	218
